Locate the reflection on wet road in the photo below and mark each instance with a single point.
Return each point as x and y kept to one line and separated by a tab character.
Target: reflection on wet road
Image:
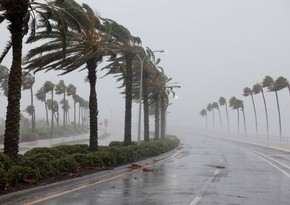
207	171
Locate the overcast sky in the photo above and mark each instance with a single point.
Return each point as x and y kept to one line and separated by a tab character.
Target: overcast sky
214	48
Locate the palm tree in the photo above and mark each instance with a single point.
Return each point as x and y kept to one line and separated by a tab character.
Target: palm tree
53	106
27	83
49	87
203	113
233	105
71	91
257	88
223	102
275	86
60	88
240	105
249	92
215	105
75	43
41	95
210	109
122	67
17	13
65	106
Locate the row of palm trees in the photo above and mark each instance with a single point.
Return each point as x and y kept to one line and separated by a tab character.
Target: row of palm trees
28	81
70	37
269	83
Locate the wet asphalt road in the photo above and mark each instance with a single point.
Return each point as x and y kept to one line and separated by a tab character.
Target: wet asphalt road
206	171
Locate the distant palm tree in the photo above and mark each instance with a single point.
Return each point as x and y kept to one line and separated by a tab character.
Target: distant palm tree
240	105
65	106
210	109
27	83
41	95
203	113
49	87
233	105
215	105
71	91
223	102
249	92
257	88
274	87
60	89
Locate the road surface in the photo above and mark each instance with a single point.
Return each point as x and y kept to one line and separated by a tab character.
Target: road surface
206	171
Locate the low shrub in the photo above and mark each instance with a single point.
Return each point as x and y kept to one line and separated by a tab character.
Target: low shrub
87	160
71	149
45	150
44	162
66	165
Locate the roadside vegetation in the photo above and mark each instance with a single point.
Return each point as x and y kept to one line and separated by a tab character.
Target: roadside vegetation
66	36
268	84
45	165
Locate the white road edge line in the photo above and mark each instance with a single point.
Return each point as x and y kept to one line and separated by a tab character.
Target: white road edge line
281	170
196	200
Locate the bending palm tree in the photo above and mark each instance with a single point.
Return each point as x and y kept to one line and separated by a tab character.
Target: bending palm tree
41	95
210	109
76	44
273	87
257	88
203	113
49	87
249	92
215	105
60	88
17	13
233	104
223	102
27	83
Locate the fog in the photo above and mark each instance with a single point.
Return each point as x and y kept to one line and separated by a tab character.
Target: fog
213	48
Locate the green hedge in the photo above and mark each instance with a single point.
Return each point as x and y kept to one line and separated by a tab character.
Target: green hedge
42	162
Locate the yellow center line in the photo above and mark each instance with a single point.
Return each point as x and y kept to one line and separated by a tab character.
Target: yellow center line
101	181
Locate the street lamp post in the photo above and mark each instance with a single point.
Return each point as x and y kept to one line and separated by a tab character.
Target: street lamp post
142	60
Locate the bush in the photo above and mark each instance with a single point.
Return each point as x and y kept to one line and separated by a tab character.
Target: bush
44	162
66	165
45	150
5	162
72	149
87	160
18	174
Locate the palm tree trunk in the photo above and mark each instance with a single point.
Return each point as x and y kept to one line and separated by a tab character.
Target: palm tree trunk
93	104
266	112
228	122
64	108
46	111
256	120
213	123
145	108
12	124
238	122
33	114
75	118
279	115
221	124
163	110
156	133
52	112
244	117
128	100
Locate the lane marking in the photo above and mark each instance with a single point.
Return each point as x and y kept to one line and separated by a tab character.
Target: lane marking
103	180
216	172
273	165
195	201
